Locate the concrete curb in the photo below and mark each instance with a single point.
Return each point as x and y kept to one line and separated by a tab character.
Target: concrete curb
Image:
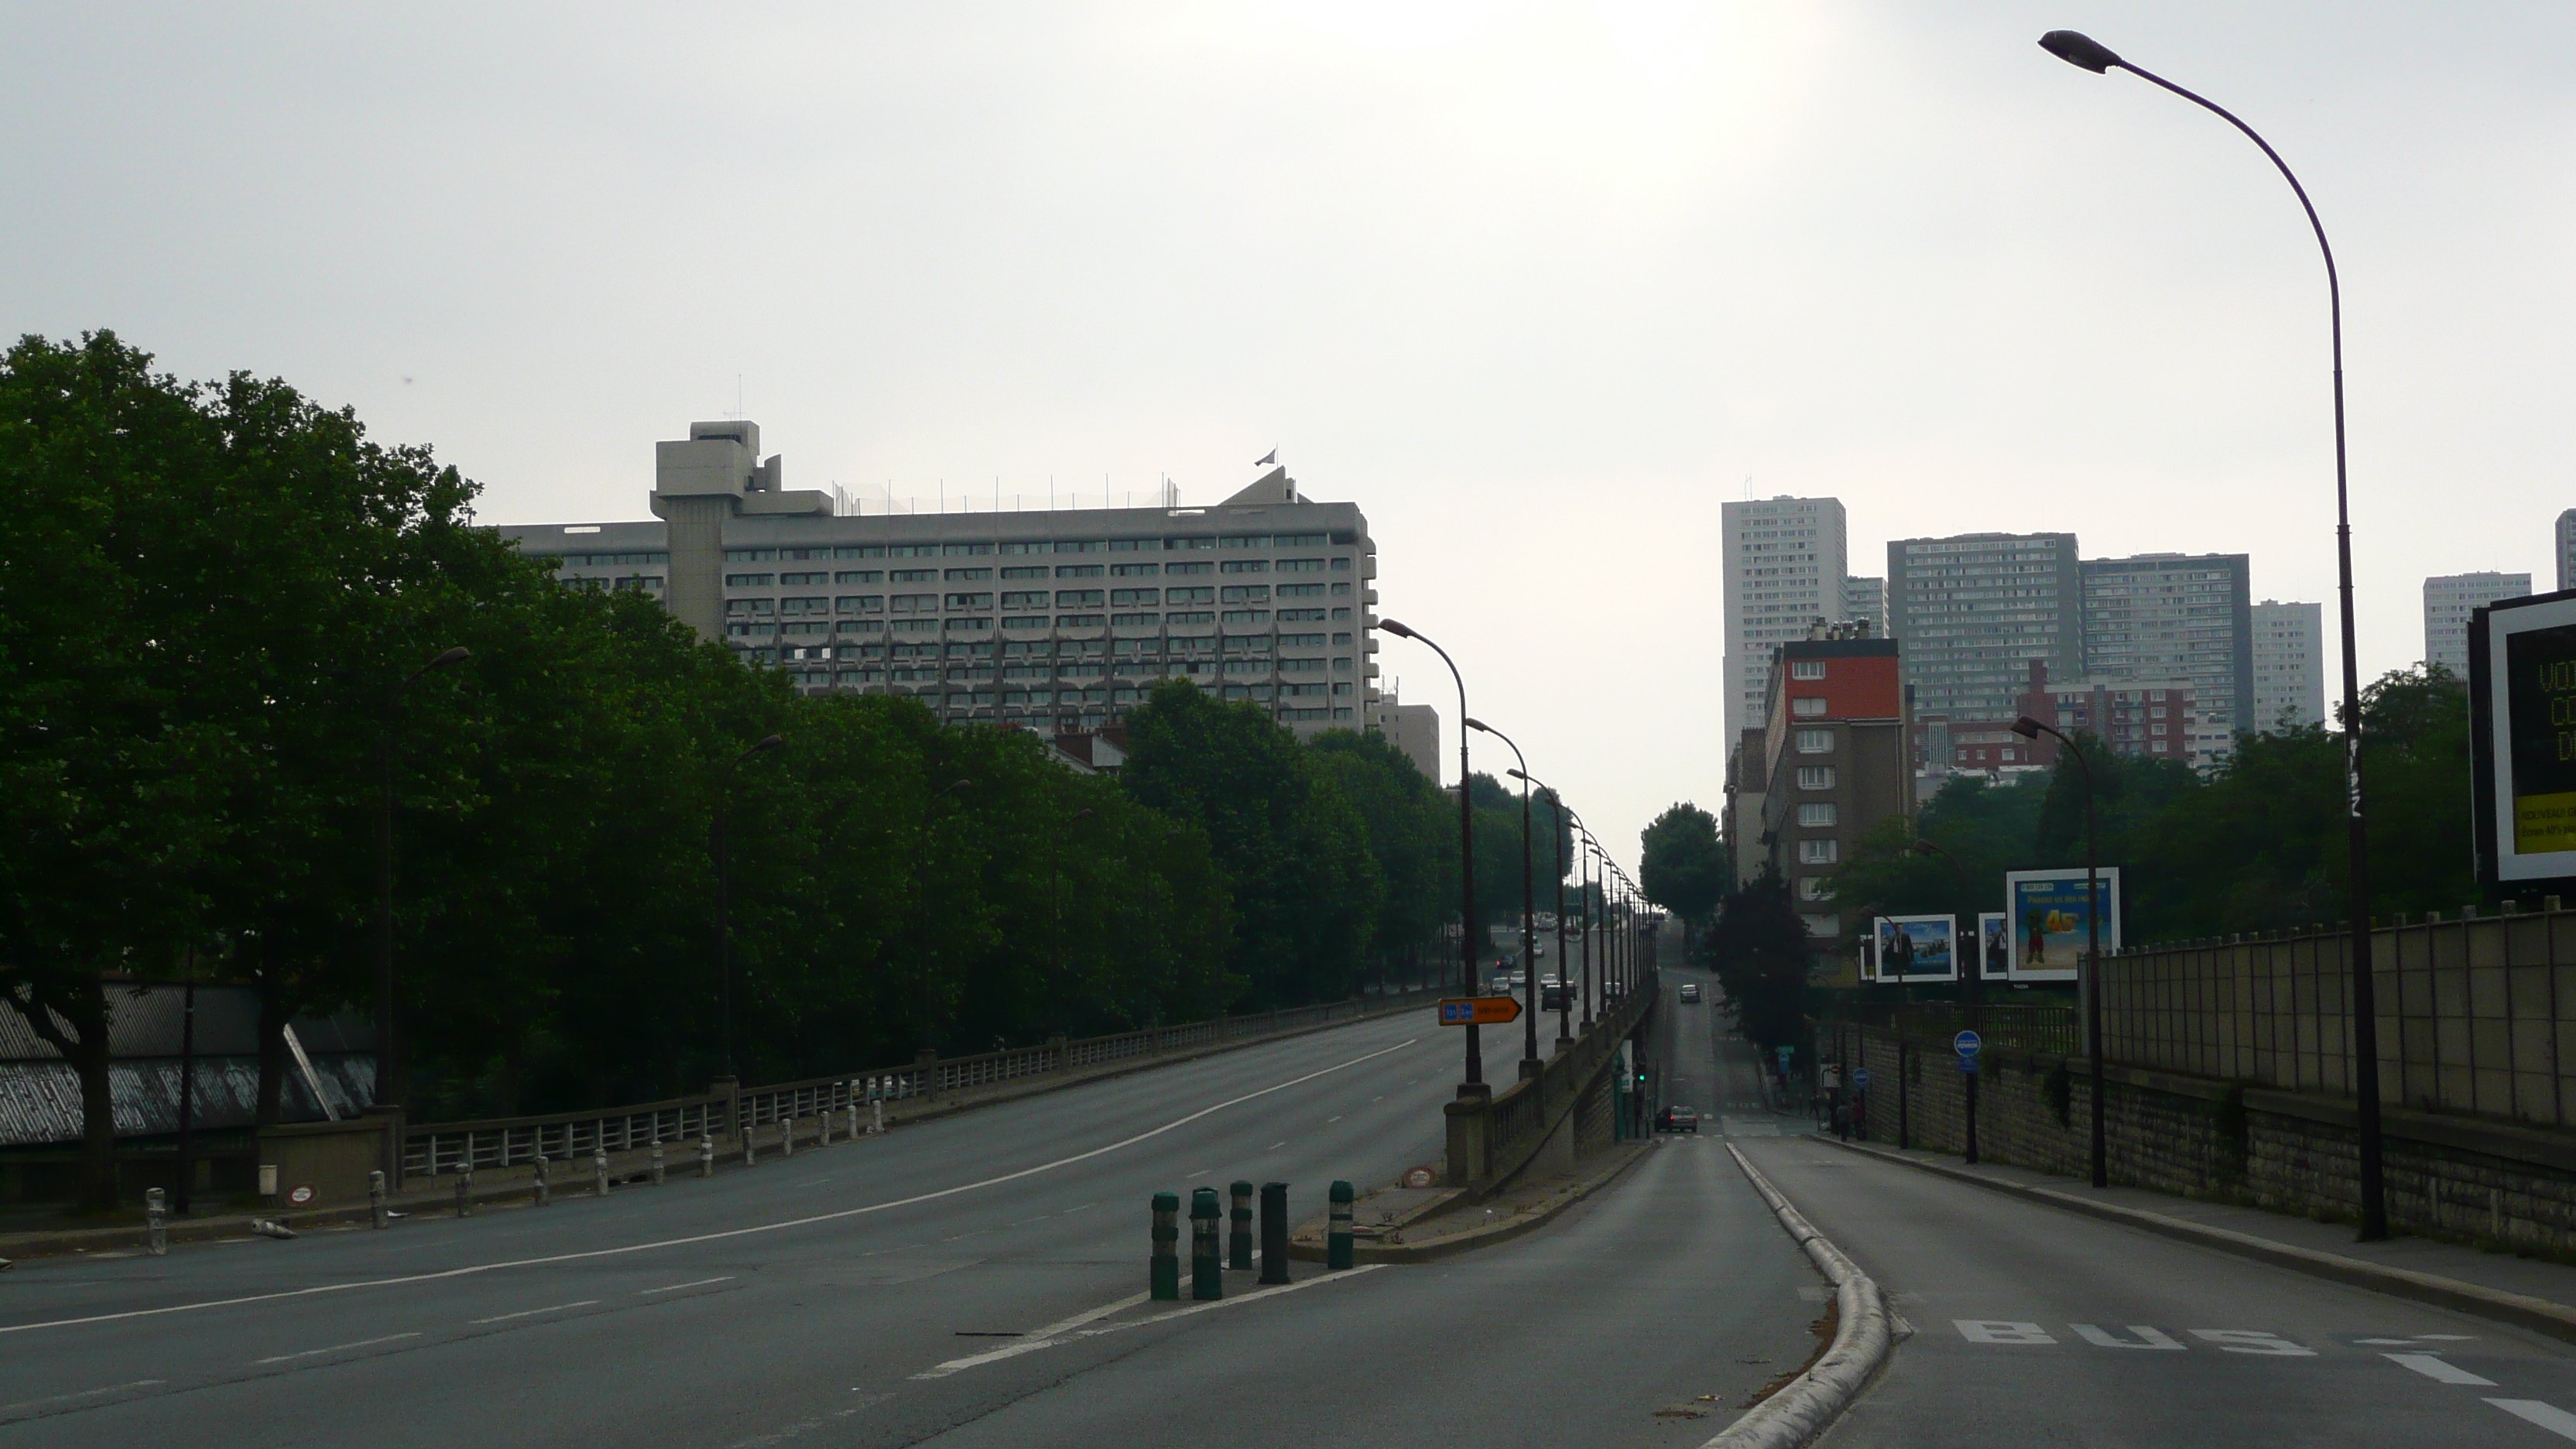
2557	1320
1811	1402
1537	1216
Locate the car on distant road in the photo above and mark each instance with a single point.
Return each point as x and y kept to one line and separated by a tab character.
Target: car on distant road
1677	1118
1690	992
1551	994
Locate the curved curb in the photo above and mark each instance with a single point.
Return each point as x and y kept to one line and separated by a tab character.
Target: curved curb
2557	1320
1812	1401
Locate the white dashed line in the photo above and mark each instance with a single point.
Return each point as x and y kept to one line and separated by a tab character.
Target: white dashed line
2548	1416
533	1312
676	1287
335	1348
2434	1367
83	1394
1275	1146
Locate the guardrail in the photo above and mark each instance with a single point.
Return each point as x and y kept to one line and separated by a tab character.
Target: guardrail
1492	1139
499	1143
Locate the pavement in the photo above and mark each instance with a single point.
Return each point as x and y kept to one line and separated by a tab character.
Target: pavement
972	1280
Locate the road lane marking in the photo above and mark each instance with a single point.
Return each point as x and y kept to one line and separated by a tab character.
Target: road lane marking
1275	1146
957	1365
2246	1340
2433	1366
2548	1416
1067	1325
1329	1121
335	1348
1995	1330
2147	1337
1202	1172
676	1287
533	1312
83	1394
932	1196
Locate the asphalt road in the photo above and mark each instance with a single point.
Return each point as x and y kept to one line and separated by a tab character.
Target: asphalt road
966	1281
2036	1326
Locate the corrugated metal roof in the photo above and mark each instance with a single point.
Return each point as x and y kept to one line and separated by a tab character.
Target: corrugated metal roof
40	1102
146	1021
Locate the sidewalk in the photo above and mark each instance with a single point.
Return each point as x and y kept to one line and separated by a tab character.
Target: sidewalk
2532	1292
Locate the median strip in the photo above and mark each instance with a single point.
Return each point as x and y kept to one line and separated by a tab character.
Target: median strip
1809	1404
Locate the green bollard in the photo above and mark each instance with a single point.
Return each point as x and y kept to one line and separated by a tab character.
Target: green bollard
1239	1242
1207	1270
1274	1232
1337	1230
1163	1276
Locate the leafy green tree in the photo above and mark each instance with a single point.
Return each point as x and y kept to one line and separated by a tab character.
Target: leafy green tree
1412	833
1680	864
1758	949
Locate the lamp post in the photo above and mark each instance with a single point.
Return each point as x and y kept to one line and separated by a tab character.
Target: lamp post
2031	729
1975	994
1474	1085
1055	915
1564	973
1583	891
389	1077
1529	905
720	846
2080	50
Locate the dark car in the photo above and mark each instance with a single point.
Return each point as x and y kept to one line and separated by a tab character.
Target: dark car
1677	1119
1690	992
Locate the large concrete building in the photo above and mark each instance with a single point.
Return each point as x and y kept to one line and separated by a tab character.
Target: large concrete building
1835	762
1783	570
2164	619
2567	549
2289	666
1973	612
1056	621
1412	728
1865	602
2449	599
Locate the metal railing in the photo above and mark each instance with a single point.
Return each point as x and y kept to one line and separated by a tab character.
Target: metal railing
2048	1030
505	1142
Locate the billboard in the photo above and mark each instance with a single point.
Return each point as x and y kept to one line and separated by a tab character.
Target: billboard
2049	918
2522	703
1994	940
1915	948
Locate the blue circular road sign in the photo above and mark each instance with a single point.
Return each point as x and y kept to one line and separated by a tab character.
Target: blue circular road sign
1967	1043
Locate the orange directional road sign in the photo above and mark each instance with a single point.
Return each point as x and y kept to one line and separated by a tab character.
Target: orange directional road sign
1479	1011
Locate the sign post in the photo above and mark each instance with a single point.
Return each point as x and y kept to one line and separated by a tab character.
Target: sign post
1967	1044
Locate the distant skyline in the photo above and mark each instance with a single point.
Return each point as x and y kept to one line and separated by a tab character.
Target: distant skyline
1538	287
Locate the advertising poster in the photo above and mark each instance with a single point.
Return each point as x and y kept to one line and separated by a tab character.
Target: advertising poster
1869	955
2522	690
1995	940
2050	921
1916	948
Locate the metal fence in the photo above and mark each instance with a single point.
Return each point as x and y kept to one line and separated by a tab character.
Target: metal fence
2054	1030
504	1142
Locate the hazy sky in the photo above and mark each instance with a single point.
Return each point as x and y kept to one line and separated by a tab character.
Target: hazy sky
1537	286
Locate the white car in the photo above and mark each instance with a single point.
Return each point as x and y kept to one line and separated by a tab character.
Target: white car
1690	992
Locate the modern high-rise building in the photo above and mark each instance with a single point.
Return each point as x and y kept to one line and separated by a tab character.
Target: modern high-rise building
2289	666
2567	549
1412	728
1056	621
2449	599
1865	602
1782	572
1972	612
2171	617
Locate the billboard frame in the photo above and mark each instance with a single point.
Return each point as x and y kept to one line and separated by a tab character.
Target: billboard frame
2501	866
2109	876
2001	970
1950	928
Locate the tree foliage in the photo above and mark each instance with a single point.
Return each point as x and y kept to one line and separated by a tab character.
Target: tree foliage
1681	865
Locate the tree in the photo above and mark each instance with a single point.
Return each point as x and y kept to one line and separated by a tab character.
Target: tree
1758	949
1411	832
1680	864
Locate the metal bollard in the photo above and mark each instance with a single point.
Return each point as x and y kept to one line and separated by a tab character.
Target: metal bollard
706	1155
1163	1269
1239	1242
1207	1270
657	1162
376	1199
787	1137
465	1190
599	1172
1274	1232
545	1188
1337	1227
750	1154
876	1115
156	1228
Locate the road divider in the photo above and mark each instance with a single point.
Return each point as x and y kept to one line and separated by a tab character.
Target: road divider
1163	1265
1239	1246
1337	1229
1809	1403
1207	1270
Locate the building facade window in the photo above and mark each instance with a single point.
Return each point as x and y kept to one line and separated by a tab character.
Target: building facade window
1814	888
1807	708
1819	852
1815	777
1806	669
1817	813
1814	742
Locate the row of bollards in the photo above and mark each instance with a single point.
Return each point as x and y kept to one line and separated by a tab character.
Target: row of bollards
1208	1263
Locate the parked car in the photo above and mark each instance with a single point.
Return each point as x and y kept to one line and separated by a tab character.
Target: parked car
1677	1118
1690	992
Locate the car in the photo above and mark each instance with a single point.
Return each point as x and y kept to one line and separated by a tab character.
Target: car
1690	992
1677	1118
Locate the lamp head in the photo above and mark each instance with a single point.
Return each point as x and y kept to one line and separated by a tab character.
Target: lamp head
956	785
2028	728
457	655
1924	847
1479	726
765	746
2079	49
1396	629
1520	775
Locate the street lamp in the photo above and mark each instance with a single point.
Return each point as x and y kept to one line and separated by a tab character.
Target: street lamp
1584	890
2081	50
1474	1086
2031	729
1529	920
389	1077
721	846
1564	974
1976	989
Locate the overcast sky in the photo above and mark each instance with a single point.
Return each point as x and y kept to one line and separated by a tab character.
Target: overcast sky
1536	286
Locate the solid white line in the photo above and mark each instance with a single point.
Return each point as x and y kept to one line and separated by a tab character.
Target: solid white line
2435	1368
954	1365
83	1394
1088	1315
922	1197
2548	1416
676	1287
335	1348
533	1312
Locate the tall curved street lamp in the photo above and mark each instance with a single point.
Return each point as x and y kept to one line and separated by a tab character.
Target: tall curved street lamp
1584	890
1529	902
2081	50
1474	1086
721	846
2031	729
1564	974
389	1075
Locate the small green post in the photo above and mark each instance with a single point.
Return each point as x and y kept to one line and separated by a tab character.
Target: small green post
1164	1275
1337	1229
1207	1270
1238	1246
